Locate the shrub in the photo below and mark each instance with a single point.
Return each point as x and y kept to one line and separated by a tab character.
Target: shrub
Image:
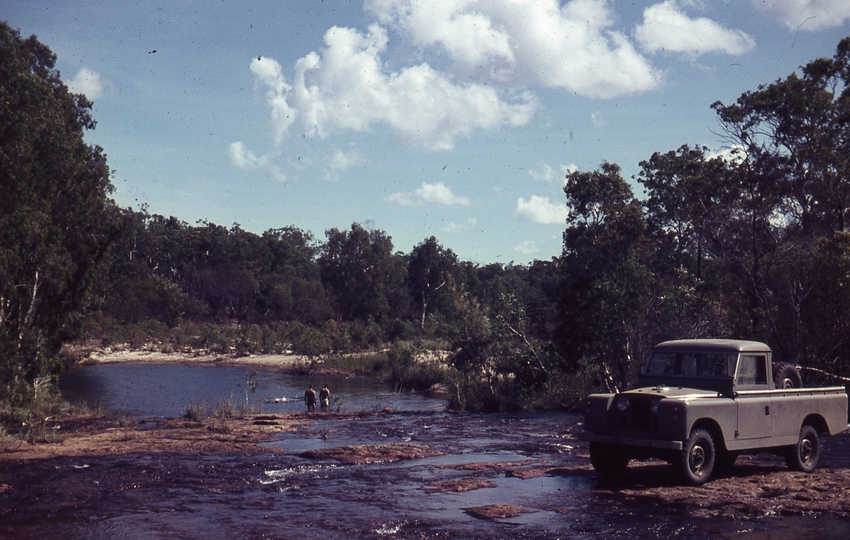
308	341
366	363
410	369
223	412
32	417
366	335
195	412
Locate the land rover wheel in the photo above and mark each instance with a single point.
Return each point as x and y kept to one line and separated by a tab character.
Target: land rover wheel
696	462
786	375
608	459
804	455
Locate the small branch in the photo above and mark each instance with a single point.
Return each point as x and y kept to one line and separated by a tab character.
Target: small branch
822	372
527	344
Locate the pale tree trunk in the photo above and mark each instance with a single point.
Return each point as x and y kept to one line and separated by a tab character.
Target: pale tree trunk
26	318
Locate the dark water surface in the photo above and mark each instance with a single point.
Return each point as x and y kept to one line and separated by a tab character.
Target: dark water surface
140	389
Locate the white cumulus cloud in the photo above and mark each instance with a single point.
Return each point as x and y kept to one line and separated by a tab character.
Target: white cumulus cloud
244	158
808	15
541	210
543	172
549	174
598	120
340	162
87	82
667	28
347	86
452	227
572	46
526	247
427	193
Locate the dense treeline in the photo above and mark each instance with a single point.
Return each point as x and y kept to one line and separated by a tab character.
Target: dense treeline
752	244
351	292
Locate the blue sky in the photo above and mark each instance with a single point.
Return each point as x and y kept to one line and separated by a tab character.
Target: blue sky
449	118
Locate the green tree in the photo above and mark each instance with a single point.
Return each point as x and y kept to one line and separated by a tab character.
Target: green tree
689	204
605	283
796	130
685	200
793	174
361	273
498	364
144	278
292	288
55	213
474	355
429	266
824	307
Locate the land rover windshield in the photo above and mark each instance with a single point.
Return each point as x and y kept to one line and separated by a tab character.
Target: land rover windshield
691	364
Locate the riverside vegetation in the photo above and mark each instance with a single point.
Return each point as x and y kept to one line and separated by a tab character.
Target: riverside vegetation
752	244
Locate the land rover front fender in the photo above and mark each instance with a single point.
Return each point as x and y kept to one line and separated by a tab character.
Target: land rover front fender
596	412
678	418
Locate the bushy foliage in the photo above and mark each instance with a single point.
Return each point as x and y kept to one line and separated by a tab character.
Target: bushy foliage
412	367
55	216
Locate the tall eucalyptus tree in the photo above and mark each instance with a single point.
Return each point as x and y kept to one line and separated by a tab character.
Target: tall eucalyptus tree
54	210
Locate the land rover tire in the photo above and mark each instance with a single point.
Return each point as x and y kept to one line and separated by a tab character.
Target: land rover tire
609	460
804	455
786	375
696	461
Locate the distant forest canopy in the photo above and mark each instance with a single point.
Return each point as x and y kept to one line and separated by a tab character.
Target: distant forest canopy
752	244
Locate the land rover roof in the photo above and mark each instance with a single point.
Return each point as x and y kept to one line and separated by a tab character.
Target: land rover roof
730	345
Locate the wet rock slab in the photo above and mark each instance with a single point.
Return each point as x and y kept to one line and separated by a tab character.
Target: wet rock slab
418	475
361	454
496	511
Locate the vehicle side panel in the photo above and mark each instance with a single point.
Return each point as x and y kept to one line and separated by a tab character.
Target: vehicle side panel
755	416
792	406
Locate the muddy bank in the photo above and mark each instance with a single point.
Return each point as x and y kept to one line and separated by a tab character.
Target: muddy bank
415	475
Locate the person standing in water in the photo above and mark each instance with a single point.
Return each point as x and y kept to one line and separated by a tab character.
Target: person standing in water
310	399
325	397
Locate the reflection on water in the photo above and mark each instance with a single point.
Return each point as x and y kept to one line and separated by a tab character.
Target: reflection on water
142	390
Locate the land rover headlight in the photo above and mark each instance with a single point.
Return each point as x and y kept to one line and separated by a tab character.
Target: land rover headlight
654	406
622	403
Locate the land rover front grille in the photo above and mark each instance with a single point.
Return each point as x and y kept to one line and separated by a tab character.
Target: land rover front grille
638	415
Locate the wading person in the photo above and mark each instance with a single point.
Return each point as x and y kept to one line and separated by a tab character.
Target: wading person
325	397
310	399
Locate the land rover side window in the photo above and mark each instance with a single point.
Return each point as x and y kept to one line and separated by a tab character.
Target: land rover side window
699	364
752	370
715	364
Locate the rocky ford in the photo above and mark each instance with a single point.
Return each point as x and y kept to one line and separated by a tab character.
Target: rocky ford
703	402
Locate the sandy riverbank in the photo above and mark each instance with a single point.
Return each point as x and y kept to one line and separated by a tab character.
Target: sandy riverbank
108	356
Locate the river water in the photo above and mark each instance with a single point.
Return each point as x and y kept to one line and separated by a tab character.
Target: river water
167	389
290	495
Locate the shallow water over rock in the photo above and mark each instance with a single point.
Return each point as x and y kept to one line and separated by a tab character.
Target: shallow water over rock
482	476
